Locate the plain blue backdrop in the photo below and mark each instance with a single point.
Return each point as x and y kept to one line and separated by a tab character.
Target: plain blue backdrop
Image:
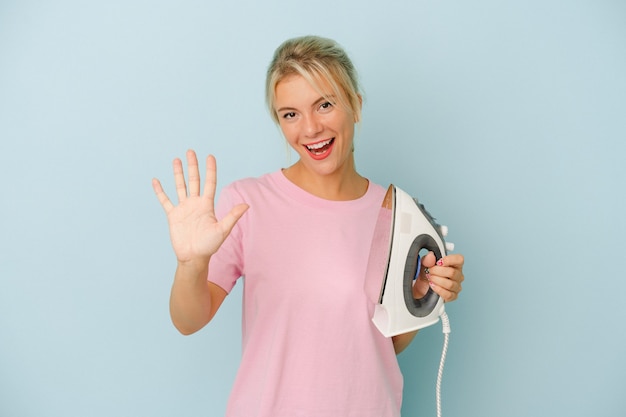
506	118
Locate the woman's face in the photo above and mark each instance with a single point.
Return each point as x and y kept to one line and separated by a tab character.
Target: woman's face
320	131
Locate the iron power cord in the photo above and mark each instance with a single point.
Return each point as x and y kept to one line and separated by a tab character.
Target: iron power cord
445	324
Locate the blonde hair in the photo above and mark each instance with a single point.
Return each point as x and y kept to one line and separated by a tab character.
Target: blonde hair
320	61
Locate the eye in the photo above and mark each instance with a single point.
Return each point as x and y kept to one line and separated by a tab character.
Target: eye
289	115
326	106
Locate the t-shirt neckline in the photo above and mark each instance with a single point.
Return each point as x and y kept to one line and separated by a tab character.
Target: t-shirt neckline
305	197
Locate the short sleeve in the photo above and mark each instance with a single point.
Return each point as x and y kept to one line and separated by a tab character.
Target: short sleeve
226	265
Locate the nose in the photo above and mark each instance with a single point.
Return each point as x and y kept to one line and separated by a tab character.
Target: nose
312	126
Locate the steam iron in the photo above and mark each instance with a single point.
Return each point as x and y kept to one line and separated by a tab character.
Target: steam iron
403	229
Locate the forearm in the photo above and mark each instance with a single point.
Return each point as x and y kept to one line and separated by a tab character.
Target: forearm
401	341
190	300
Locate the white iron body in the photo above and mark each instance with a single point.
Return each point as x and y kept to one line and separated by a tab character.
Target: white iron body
403	229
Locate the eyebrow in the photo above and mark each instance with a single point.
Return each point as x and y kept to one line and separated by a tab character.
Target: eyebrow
330	97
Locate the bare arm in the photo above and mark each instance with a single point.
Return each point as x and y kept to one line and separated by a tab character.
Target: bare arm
193	300
444	277
196	235
402	341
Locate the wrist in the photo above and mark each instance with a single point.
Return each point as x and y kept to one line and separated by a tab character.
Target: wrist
193	266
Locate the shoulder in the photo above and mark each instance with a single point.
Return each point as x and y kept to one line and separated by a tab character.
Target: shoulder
249	184
375	191
246	189
376	188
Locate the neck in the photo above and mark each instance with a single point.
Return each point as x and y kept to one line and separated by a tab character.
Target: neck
342	185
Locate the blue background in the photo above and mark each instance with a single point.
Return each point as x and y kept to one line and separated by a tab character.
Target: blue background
506	118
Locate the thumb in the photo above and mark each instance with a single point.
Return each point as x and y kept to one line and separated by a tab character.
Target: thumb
429	260
229	221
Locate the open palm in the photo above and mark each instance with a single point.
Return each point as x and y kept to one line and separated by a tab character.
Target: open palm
195	232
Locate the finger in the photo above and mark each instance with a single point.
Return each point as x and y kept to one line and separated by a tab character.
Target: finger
452	284
445	293
427	261
211	178
446	288
444	272
193	173
163	198
450	267
446	279
179	180
454	260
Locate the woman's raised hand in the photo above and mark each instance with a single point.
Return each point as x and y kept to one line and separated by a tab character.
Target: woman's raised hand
195	232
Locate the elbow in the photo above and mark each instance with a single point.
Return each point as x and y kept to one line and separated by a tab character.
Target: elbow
185	330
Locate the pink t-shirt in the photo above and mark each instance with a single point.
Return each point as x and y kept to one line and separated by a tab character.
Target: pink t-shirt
309	348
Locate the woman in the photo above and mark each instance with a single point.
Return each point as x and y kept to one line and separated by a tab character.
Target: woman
309	346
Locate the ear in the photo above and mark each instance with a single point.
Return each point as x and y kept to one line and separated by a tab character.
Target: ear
357	115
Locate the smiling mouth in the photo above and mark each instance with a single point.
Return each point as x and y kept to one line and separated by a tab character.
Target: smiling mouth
320	147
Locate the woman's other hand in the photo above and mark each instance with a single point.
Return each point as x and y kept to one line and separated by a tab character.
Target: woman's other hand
445	275
195	232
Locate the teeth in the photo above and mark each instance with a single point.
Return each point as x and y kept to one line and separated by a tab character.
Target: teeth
318	145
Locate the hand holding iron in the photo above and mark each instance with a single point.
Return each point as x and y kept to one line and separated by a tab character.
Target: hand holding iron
195	232
444	276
